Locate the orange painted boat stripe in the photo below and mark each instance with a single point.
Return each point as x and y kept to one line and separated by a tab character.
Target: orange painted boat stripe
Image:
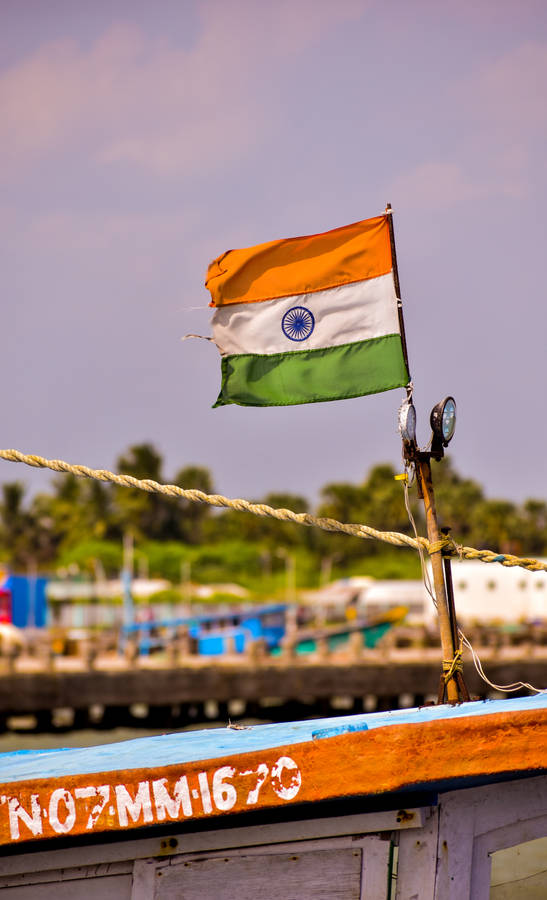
302	264
362	763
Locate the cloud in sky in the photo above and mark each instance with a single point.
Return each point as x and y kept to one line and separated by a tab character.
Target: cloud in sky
133	99
506	104
439	185
140	140
148	102
501	117
510	92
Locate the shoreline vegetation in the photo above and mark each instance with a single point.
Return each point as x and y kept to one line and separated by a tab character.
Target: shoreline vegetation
77	529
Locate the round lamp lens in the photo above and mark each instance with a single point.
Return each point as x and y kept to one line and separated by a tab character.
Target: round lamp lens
449	419
407	422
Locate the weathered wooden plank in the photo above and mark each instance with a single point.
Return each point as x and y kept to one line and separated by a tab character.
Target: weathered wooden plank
491	814
417	862
212	840
112	887
374	877
144	879
455	845
319	875
504	817
72	873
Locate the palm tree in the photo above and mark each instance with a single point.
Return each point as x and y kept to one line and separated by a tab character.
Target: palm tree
190	517
26	536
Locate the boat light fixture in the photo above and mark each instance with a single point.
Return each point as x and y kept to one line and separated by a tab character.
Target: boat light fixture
407	422
443	421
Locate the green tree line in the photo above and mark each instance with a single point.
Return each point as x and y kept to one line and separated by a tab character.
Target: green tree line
82	523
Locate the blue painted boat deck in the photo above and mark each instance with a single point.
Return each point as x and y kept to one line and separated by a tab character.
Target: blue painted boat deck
193	746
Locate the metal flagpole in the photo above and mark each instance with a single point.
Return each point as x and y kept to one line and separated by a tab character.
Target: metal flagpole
389	213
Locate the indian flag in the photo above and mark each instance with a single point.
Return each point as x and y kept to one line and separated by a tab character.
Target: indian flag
309	318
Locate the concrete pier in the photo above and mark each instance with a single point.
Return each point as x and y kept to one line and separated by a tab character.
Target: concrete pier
239	686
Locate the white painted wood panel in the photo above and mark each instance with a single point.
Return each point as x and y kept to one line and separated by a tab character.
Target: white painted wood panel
416	864
455	846
502	804
478	821
211	840
317	875
110	887
67	873
375	868
144	879
493	841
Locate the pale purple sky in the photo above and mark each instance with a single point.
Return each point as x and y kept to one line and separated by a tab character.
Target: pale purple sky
138	140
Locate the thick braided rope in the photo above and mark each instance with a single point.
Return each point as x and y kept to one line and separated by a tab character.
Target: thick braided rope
285	515
172	490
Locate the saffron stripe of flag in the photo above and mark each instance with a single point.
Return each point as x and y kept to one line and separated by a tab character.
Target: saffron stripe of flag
308	319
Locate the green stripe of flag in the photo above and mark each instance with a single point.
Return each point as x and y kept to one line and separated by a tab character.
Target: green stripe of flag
310	376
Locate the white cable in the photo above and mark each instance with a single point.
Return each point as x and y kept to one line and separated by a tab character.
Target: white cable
503	688
425	574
